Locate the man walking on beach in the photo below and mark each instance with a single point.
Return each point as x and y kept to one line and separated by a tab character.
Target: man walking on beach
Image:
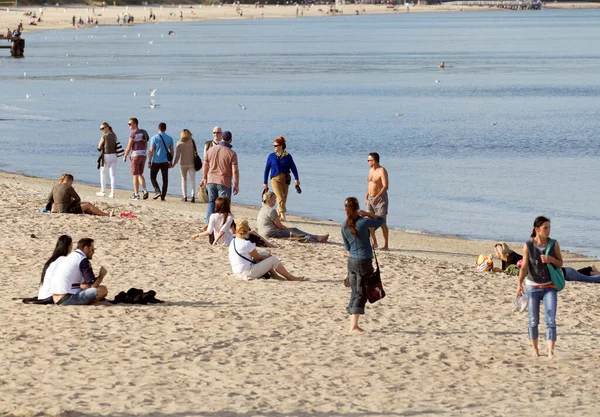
138	143
160	157
220	166
73	282
217	134
376	199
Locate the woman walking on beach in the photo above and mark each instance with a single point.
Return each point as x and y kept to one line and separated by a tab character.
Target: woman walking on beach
108	147
355	233
185	151
538	283
279	164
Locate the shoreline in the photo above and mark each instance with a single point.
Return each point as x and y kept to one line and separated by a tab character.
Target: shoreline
452	248
57	18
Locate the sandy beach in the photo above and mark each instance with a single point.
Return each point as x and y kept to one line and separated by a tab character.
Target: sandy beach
61	17
444	340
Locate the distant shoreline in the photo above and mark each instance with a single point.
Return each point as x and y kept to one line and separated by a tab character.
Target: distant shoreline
56	18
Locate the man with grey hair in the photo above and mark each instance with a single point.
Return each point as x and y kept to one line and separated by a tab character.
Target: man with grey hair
217	133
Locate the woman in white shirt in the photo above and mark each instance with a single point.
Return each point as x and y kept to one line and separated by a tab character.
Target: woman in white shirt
247	263
63	247
219	223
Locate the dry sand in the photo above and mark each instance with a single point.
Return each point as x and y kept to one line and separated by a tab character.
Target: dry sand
444	340
60	17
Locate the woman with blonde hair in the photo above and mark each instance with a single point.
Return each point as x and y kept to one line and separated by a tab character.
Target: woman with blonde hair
108	147
247	263
64	199
184	154
279	164
506	255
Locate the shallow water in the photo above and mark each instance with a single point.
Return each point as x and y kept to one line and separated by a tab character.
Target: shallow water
508	131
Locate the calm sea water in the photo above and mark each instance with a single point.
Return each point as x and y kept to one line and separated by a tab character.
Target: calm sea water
508	131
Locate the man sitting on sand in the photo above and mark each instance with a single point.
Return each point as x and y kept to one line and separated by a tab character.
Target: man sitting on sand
64	199
73	282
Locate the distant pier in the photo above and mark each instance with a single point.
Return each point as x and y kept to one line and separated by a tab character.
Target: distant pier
17	46
500	4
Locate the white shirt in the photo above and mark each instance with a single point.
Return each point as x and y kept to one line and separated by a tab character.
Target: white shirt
68	274
215	225
44	291
244	247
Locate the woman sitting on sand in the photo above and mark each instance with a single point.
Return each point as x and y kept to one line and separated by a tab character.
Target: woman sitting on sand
219	223
63	247
355	233
269	223
506	255
64	199
538	283
247	263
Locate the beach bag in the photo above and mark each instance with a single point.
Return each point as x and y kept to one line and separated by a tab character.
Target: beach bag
373	285
120	150
197	160
202	194
556	274
484	263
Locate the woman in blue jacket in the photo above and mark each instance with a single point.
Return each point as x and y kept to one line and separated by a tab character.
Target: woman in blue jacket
357	242
279	165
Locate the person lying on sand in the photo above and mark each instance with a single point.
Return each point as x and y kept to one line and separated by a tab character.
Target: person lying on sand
269	223
247	263
73	281
64	199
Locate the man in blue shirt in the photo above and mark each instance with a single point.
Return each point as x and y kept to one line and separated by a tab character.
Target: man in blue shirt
160	157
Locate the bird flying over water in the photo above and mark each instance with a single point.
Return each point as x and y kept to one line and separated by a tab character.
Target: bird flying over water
152	92
241	106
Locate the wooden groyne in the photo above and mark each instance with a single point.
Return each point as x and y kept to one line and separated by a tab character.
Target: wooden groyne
17	46
500	4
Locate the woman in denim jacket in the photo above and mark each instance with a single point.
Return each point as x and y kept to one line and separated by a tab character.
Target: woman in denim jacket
355	233
538	282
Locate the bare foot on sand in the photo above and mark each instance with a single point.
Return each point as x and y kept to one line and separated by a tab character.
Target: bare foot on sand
111	213
536	353
375	246
385	248
322	239
357	330
550	354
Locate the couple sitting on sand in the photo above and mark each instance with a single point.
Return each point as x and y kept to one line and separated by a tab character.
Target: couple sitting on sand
64	199
246	262
68	278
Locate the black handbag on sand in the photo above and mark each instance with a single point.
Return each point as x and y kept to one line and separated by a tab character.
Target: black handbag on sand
197	160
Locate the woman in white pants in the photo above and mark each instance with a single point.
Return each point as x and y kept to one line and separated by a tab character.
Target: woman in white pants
184	154
247	263
108	143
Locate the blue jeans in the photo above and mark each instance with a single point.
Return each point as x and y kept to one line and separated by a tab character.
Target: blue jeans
82	298
283	234
358	270
550	299
571	274
215	191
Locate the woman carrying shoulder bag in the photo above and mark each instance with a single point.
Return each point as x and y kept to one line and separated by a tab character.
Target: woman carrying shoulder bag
538	283
357	241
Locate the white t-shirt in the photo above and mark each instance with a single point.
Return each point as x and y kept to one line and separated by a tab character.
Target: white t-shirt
44	291
244	247
215	225
67	274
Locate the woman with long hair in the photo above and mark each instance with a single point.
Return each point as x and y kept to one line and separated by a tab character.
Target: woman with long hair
538	283
355	233
248	263
63	247
108	147
278	167
506	255
219	223
184	154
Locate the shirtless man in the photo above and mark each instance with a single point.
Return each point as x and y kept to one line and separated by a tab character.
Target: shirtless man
376	199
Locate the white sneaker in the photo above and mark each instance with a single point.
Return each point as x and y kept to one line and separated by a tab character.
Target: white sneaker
111	196
100	194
